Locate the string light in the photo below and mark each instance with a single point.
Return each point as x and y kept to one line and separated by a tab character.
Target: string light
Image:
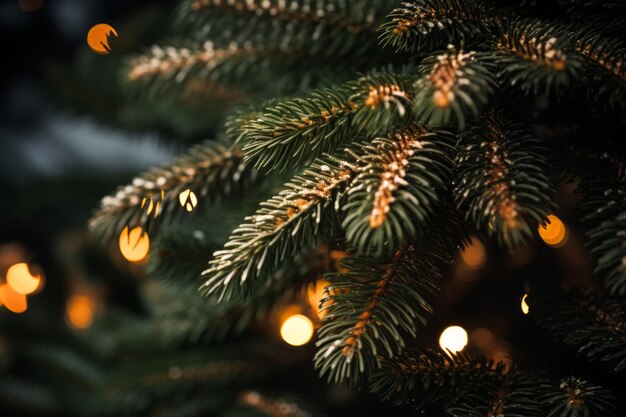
524	305
555	233
453	339
21	280
134	245
188	199
474	254
297	330
12	300
79	311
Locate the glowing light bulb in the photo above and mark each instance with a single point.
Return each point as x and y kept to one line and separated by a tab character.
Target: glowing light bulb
188	199
12	300
98	38
453	339
135	244
297	330
524	305
315	295
21	280
79	311
474	255
554	233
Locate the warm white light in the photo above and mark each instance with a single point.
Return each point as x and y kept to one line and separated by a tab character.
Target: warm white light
297	330
454	339
135	244
21	280
525	307
188	199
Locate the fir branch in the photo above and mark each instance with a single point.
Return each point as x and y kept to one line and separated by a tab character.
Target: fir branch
421	377
577	397
422	25
602	183
390	202
299	217
501	183
594	325
209	170
295	131
607	15
373	304
534	56
453	85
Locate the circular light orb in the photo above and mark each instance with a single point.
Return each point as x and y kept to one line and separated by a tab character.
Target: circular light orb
474	254
21	280
453	339
98	38
188	199
79	311
554	233
297	330
12	300
524	304
135	244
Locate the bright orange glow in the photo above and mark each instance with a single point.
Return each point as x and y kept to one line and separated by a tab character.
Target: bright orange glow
555	233
453	339
188	199
474	255
21	280
134	245
98	38
315	295
79	311
12	300
524	305
297	330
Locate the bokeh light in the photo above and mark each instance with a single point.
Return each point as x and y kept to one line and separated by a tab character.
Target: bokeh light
297	330
79	311
134	245
30	6
524	305
555	233
188	199
21	280
474	254
453	339
12	300
98	38
315	294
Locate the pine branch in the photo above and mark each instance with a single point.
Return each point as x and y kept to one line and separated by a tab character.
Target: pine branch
536	57
453	85
209	170
421	377
602	183
295	131
577	397
608	15
422	25
501	182
390	202
594	325
299	217
373	304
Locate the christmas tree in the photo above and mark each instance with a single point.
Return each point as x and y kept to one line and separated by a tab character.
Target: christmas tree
379	171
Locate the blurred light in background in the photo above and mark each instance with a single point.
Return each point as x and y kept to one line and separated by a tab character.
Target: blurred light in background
453	339
134	245
524	305
474	254
555	233
297	330
12	300
188	199
21	280
315	294
30	6
79	311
